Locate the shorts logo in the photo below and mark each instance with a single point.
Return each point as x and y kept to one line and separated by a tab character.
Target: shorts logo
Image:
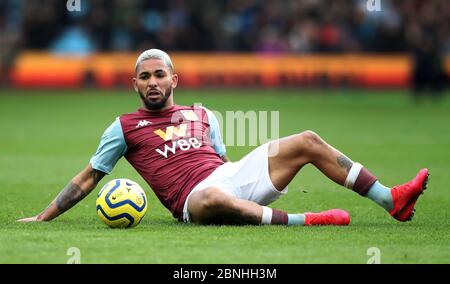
171	130
189	115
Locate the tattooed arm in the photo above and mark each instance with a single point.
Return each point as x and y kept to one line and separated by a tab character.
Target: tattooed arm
80	186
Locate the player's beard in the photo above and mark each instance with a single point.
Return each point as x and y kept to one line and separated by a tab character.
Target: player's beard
156	104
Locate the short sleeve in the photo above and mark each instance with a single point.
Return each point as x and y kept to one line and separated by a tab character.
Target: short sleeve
214	134
111	148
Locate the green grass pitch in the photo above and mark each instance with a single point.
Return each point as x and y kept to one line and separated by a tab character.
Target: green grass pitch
48	136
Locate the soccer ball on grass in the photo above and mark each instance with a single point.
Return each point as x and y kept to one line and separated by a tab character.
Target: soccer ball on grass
121	203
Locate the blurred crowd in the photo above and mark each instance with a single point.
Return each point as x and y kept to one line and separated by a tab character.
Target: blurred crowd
266	26
299	26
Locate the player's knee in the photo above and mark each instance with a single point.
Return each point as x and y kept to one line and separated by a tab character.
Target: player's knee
309	139
308	145
215	200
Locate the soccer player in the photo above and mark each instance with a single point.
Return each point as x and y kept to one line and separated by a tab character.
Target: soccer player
179	152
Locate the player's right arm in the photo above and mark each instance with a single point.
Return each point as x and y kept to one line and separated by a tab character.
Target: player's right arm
78	188
112	147
215	136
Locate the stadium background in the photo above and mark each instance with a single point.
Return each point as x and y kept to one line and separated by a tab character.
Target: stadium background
359	78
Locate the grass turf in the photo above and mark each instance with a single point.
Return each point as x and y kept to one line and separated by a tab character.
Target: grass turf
48	136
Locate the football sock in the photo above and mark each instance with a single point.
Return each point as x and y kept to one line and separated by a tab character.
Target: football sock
277	217
296	219
359	179
381	195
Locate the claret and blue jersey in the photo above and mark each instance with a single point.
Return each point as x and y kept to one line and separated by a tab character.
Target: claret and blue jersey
172	150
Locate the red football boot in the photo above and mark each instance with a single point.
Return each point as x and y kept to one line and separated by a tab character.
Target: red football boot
336	217
405	196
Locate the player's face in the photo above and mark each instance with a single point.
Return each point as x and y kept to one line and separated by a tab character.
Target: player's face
155	82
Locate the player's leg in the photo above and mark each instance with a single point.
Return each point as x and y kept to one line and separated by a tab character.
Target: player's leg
214	206
288	155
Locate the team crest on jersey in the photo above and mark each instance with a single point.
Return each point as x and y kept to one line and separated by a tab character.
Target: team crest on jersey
189	115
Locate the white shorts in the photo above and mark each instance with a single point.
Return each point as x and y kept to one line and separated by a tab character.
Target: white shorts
246	179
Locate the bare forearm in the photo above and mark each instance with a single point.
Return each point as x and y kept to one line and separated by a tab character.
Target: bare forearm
65	200
73	193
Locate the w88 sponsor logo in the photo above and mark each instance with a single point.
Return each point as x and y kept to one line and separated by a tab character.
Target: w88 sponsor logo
181	144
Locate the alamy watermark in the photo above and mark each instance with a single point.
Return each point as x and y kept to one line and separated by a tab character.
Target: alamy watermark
375	255
250	128
73	5
373	5
75	255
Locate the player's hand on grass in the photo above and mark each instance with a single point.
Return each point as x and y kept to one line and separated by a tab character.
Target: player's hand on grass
48	214
80	186
30	219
